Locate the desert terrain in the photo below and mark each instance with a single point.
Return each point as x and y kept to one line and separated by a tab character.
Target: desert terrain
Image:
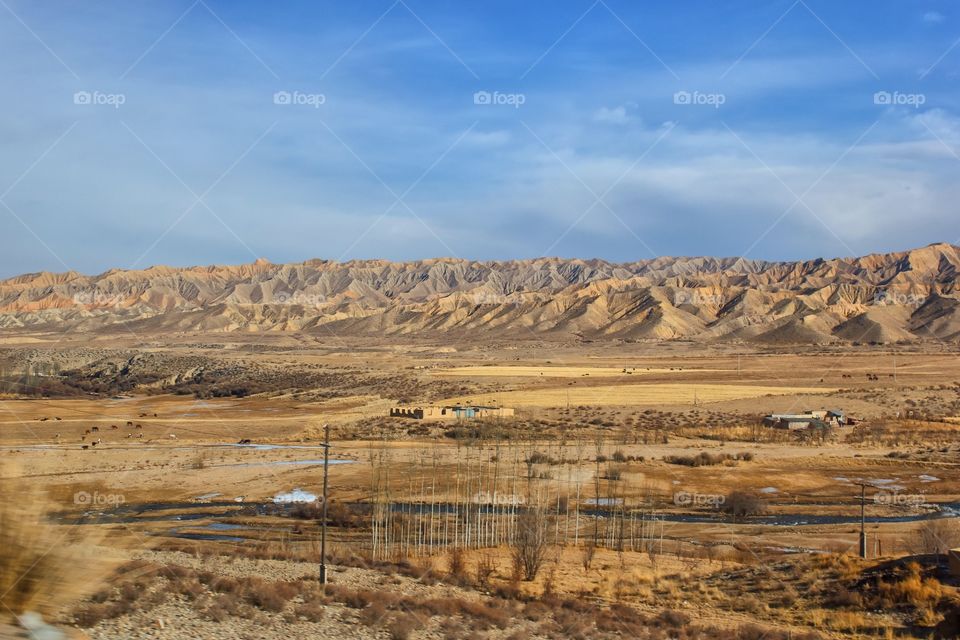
164	476
630	452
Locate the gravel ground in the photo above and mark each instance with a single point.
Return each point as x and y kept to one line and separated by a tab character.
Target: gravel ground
178	618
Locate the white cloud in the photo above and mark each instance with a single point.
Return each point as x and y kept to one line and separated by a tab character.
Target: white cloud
933	17
615	115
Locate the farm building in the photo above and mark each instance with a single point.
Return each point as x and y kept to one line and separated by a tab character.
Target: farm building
450	412
818	419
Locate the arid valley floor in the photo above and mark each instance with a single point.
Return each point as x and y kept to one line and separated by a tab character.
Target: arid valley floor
639	473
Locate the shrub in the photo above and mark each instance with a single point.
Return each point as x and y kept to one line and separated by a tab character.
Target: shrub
402	625
529	543
742	504
38	569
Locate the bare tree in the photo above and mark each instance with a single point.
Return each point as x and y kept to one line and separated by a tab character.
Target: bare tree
936	536
530	542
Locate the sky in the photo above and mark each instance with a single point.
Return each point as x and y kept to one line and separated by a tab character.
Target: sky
216	132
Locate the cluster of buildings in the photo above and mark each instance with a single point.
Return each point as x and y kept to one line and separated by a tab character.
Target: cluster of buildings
450	412
819	419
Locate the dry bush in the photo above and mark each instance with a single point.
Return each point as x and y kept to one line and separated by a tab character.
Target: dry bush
529	543
42	566
269	596
742	504
402	625
486	567
912	588
586	557
223	607
373	614
312	611
456	564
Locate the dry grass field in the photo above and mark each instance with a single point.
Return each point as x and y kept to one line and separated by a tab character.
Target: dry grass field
634	492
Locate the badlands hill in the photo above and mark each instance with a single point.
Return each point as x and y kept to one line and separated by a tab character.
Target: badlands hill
904	296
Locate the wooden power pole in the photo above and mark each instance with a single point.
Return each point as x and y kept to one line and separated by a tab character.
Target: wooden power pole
323	524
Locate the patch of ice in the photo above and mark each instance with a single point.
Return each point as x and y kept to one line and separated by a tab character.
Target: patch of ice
769	490
925	478
208	496
297	495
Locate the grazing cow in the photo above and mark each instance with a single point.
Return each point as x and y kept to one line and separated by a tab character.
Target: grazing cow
129	435
173	436
86	432
92	444
82	438
59	418
129	423
44	419
84	447
139	426
139	435
244	441
95	429
113	426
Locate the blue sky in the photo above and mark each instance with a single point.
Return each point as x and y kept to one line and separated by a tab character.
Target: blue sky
203	132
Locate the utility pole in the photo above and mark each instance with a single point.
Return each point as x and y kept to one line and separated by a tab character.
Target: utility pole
863	530
323	524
